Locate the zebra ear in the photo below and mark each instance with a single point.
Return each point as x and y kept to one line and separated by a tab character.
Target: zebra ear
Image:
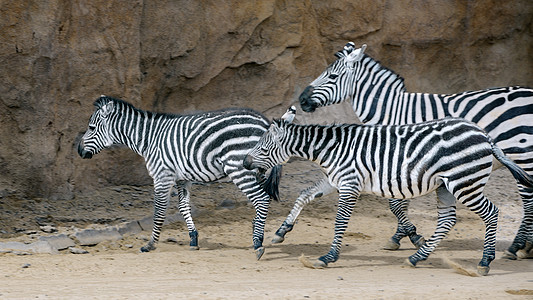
356	55
289	115
107	109
275	127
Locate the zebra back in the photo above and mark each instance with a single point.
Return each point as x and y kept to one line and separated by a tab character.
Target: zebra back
379	96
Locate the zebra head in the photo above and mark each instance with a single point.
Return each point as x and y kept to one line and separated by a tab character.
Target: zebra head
335	84
268	152
97	136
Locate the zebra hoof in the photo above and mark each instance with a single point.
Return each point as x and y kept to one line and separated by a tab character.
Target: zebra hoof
407	262
259	252
320	264
522	254
392	245
277	239
526	252
146	249
508	255
419	242
193	248
483	270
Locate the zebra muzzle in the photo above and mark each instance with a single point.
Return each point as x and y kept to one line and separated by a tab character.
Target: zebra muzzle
305	100
248	162
84	153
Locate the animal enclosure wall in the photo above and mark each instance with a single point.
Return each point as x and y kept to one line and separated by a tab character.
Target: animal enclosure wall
58	56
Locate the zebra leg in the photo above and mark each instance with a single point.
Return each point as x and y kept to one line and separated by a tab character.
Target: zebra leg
348	196
317	190
249	183
185	210
446	220
405	228
162	189
523	240
488	212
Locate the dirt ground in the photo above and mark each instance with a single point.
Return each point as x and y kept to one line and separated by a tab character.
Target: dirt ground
225	266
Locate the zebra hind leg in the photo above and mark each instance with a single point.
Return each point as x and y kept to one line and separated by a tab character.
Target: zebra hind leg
405	227
184	195
523	241
317	190
446	220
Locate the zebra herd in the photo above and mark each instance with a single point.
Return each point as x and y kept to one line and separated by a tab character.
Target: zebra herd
425	143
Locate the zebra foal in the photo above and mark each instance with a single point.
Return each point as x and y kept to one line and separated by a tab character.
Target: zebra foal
452	156
181	149
379	96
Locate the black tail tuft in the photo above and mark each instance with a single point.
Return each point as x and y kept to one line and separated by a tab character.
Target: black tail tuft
272	183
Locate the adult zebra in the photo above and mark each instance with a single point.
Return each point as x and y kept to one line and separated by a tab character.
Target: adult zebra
452	156
378	96
180	149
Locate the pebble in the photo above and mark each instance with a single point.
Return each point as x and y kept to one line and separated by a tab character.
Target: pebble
75	250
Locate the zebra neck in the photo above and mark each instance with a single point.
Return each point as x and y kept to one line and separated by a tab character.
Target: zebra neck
313	142
377	92
132	130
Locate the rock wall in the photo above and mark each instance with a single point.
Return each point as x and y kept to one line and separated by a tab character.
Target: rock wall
184	56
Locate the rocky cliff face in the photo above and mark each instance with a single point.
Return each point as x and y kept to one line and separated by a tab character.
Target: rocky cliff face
58	56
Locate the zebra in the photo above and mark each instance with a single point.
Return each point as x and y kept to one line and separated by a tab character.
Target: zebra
452	156
181	149
378	96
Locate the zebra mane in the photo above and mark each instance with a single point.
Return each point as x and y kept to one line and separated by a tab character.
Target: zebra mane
104	100
350	47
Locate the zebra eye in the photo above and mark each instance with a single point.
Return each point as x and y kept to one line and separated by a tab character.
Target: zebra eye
92	127
333	76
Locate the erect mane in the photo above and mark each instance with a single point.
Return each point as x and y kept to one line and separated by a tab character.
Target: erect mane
376	68
103	100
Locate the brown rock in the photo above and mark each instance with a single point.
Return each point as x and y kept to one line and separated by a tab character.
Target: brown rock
185	56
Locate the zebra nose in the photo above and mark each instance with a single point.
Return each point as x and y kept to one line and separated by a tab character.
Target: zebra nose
248	161
305	99
84	153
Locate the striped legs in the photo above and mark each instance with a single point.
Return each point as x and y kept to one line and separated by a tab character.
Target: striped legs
405	228
184	195
249	183
524	237
348	196
162	187
479	204
317	190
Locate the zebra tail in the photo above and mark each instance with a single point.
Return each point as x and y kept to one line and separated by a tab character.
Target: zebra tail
271	186
518	173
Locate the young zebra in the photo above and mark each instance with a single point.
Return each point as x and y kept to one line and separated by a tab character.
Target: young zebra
378	96
180	149
452	156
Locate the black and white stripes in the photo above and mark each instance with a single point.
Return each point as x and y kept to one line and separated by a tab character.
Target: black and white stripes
452	156
180	149
378	96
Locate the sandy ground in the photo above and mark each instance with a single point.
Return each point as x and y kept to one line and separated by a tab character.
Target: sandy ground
225	266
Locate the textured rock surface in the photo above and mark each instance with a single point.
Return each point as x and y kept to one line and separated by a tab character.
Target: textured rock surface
184	56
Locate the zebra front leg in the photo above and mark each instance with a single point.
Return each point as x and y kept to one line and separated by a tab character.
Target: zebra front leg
347	198
405	228
317	190
524	237
185	210
258	225
161	196
247	181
